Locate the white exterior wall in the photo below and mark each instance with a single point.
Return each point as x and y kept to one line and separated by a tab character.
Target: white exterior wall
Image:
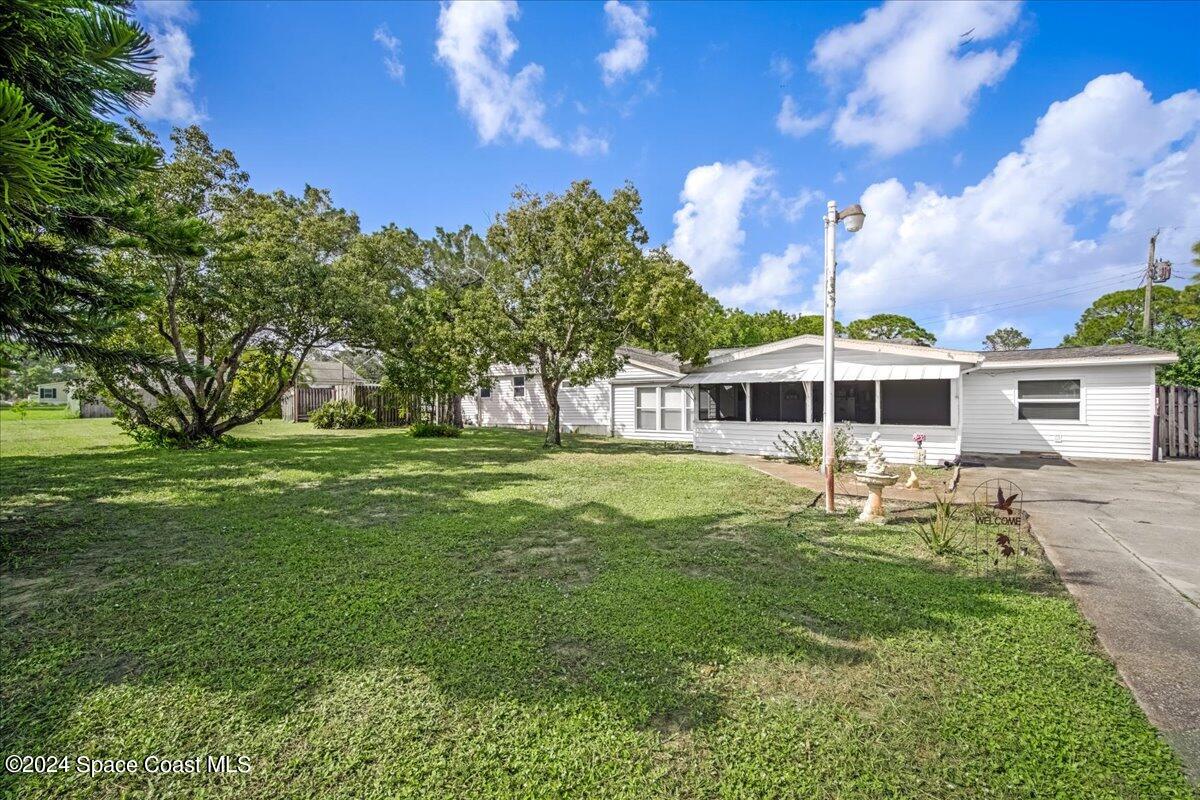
759	439
1117	413
585	409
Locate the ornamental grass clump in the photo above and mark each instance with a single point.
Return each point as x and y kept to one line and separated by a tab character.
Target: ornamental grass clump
942	532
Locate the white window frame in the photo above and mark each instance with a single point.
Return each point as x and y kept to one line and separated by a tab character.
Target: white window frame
688	409
50	393
1081	402
656	408
485	392
518	389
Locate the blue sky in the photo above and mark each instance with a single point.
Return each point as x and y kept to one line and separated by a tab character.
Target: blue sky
1012	159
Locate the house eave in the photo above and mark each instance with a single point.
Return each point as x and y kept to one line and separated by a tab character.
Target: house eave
1168	358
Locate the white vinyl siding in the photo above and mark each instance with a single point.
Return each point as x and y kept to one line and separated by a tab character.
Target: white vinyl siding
1116	413
625	414
759	439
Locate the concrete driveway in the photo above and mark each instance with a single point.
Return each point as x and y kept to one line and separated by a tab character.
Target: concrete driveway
1125	537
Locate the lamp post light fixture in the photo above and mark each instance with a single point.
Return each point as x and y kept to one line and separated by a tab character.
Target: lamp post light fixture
853	217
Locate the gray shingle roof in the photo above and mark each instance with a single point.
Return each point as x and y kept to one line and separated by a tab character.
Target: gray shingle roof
652	357
1049	353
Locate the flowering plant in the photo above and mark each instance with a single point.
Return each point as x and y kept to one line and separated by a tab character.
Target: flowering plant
919	438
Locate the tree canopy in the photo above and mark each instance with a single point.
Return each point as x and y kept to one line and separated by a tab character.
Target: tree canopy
571	285
67	172
1116	318
270	277
738	328
891	328
1006	339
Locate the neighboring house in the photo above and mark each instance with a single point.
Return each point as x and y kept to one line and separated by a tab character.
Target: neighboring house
1092	402
324	373
56	393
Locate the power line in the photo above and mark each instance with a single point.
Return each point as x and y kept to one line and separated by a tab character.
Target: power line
1059	292
1031	300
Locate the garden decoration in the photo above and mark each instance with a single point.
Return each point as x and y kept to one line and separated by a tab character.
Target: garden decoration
919	438
875	478
1001	526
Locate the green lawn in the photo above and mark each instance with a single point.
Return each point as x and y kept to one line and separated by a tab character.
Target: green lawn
363	614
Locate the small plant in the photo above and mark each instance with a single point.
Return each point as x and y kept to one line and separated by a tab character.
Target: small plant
21	408
342	414
434	429
943	532
806	446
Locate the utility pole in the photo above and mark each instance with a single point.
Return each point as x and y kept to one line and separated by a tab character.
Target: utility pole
828	462
1146	322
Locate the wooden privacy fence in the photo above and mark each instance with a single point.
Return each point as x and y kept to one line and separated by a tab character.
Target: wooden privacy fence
1178	421
389	406
302	401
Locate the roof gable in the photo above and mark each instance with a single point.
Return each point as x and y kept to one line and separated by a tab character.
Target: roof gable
864	345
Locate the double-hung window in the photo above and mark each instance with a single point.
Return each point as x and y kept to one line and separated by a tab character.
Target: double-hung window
1050	400
665	409
518	386
485	392
48	393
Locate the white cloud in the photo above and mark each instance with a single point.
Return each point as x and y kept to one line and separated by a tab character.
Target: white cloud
475	44
917	69
962	328
1110	147
790	207
782	68
775	278
391	46
708	227
632	49
791	123
166	21
587	143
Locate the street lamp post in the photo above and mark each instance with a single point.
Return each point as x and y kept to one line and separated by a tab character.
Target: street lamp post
853	217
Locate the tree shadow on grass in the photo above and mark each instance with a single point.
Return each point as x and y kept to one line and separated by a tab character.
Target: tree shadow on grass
327	558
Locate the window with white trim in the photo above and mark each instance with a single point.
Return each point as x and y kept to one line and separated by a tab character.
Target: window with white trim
1049	400
646	411
485	392
518	386
50	393
662	409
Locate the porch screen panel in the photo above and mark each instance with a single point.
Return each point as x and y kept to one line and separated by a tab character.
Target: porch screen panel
922	402
722	401
853	401
777	402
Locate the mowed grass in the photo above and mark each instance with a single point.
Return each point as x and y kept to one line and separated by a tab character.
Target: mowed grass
363	614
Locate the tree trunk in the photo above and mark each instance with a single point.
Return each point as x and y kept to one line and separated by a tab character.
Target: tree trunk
456	413
553	426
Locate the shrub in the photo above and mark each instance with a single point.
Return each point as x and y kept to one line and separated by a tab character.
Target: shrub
341	414
21	408
806	446
430	429
942	532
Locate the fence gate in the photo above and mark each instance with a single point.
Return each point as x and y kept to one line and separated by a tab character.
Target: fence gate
306	399
1178	409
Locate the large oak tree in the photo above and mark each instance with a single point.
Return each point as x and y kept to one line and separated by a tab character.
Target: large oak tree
572	285
271	278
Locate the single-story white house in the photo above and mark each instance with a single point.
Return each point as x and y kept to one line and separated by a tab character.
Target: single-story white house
54	393
1082	402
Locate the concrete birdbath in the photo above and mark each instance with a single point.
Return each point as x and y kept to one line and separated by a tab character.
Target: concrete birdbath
875	478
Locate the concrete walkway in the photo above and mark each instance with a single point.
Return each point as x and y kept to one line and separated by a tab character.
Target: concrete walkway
1125	538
